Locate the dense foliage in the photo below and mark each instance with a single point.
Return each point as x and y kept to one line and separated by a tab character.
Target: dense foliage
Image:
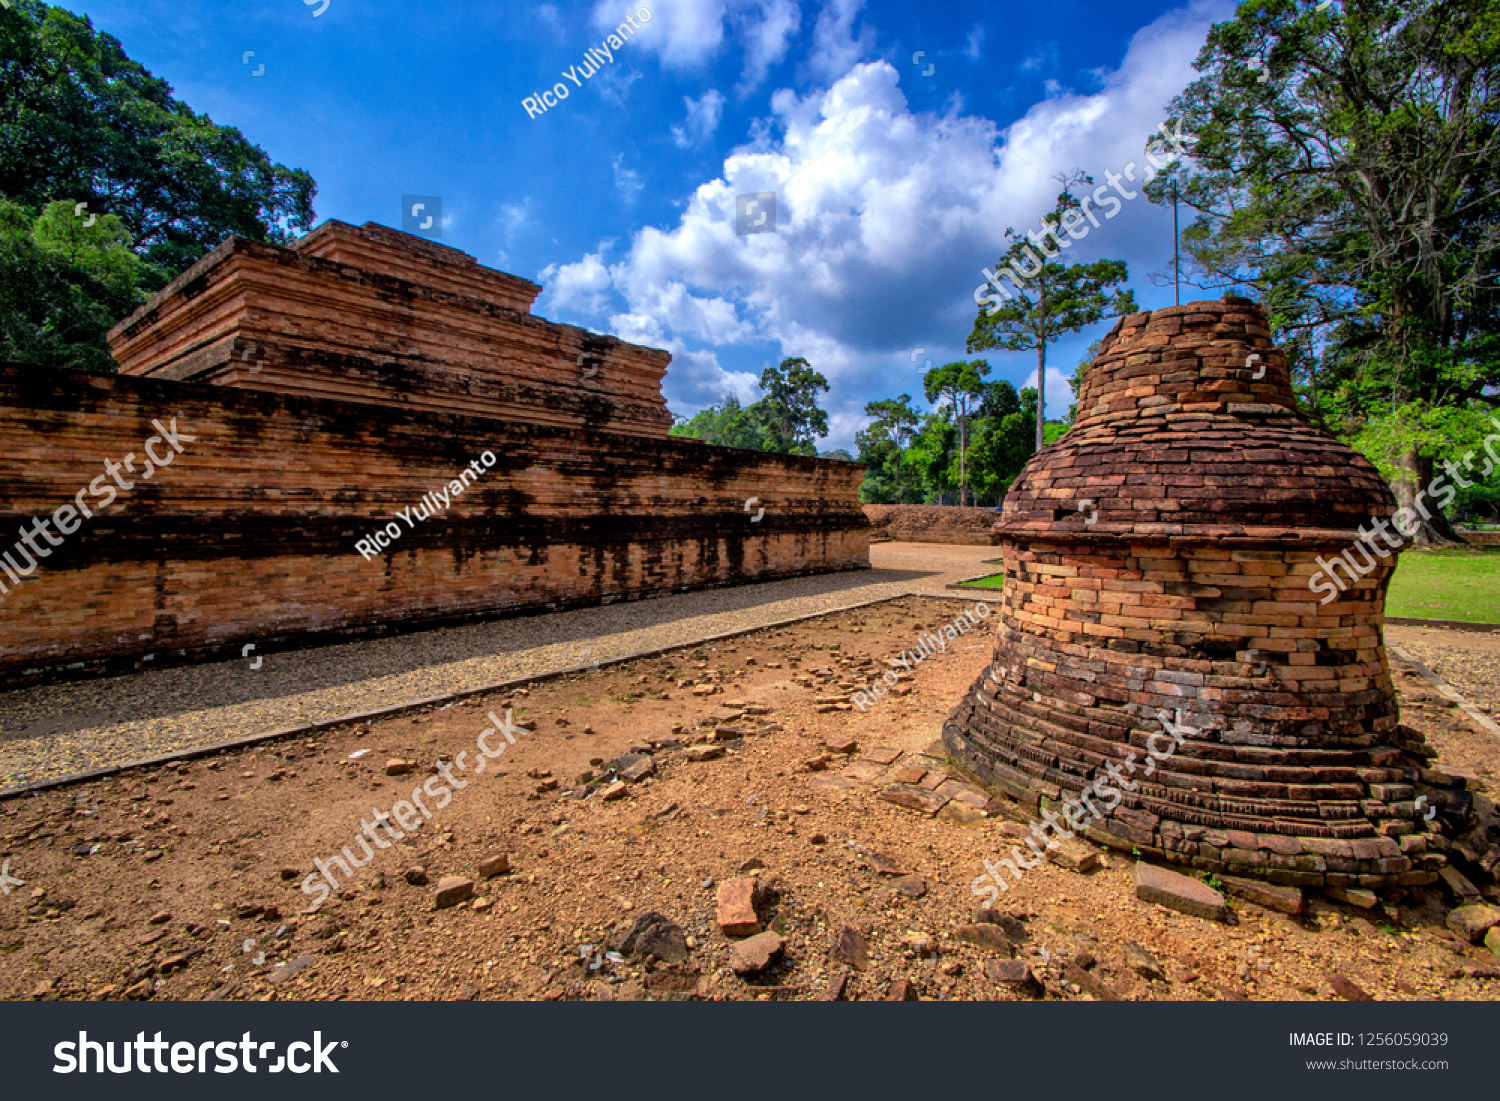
787	420
915	457
81	123
1346	168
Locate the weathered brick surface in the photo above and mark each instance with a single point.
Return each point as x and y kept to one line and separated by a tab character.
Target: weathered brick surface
1212	501
249	534
372	315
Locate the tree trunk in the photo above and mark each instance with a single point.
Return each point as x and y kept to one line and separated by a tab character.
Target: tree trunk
1433	528
963	471
1413	484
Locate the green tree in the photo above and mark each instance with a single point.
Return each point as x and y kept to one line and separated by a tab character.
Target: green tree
1004	439
81	121
725	425
882	448
931	456
786	420
1346	166
789	413
1480	503
1075	382
1049	296
63	285
960	384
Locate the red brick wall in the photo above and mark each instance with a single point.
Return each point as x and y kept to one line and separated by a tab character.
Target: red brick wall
249	534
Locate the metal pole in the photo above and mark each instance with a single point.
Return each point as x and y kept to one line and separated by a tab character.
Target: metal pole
1176	263
1041	373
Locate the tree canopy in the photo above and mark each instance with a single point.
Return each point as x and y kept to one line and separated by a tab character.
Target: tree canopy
961	385
790	414
786	420
882	448
1346	166
64	285
80	122
914	457
1049	296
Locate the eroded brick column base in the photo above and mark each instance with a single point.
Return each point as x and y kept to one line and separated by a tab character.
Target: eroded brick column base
1178	595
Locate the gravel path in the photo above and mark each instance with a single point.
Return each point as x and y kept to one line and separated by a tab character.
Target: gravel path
58	730
1468	660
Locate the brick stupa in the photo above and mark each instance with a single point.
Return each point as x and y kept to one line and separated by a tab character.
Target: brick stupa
1158	560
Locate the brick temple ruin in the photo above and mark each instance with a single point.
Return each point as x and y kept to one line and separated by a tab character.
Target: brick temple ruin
320	390
1158	560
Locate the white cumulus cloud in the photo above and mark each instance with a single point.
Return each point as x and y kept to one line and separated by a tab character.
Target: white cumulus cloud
582	286
885	217
686	34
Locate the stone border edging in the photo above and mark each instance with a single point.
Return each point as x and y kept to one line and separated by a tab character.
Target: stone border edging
1445	624
304	729
1479	717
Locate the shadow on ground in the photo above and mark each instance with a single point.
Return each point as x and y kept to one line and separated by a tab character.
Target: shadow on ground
290	671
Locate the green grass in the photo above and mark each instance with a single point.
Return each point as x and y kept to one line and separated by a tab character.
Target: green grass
1447	584
994	581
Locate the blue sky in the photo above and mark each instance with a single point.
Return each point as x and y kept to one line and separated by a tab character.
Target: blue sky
894	180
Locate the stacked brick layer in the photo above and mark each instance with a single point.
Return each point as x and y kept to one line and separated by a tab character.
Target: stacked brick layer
249	535
371	315
1176	436
1181	592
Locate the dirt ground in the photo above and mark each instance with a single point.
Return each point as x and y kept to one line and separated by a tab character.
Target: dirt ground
183	882
1468	660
